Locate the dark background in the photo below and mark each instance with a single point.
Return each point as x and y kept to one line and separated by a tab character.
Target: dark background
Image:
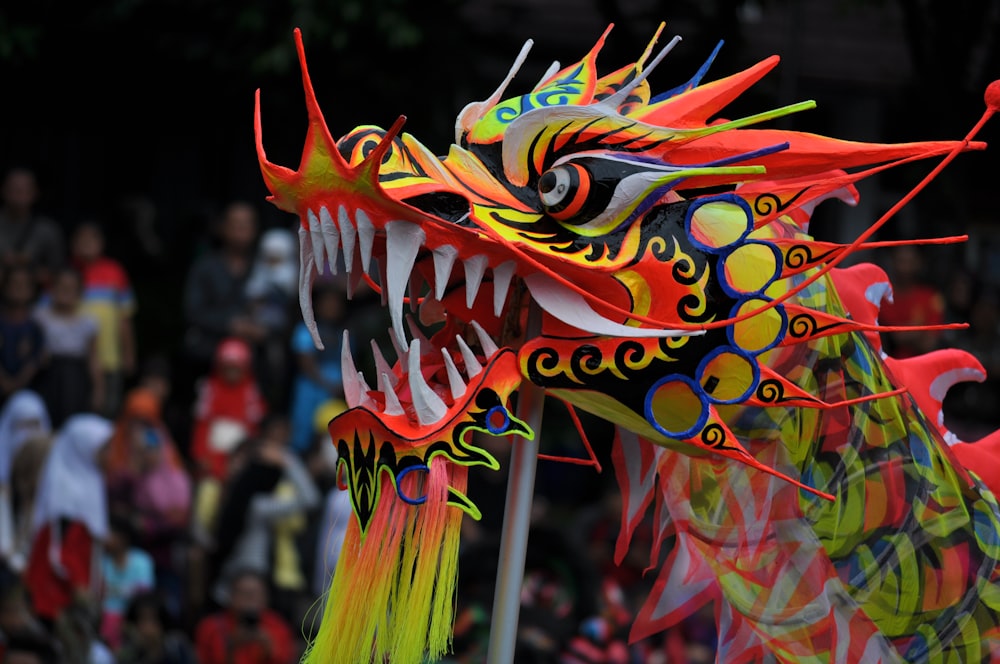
141	113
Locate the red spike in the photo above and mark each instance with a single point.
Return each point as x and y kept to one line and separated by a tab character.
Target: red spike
775	390
695	107
801	255
962	145
716	437
805	324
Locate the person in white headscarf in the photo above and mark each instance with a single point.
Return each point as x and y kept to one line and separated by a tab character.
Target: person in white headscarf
275	267
272	295
70	519
24	420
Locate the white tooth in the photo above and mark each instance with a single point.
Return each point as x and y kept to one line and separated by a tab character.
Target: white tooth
418	334
455	381
366	238
316	236
472	366
347	234
444	259
307	275
427	404
485	342
331	237
573	309
381	366
401	352
502	274
475	267
353	390
403	242
392	405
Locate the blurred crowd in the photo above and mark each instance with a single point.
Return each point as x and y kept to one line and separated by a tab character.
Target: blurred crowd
179	508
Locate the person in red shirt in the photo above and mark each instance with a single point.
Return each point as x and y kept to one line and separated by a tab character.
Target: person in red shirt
246	631
228	410
109	299
70	519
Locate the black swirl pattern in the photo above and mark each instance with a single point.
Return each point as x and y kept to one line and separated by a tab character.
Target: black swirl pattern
801	255
804	326
586	359
715	436
768	203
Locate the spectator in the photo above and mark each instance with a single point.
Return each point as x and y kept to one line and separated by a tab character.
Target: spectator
246	631
15	614
914	302
23	419
215	302
272	290
22	342
70	519
229	410
27	239
317	378
126	570
148	637
149	486
328	525
109	300
269	496
28	648
71	381
156	376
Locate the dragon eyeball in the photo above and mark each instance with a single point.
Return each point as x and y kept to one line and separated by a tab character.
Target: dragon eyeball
564	190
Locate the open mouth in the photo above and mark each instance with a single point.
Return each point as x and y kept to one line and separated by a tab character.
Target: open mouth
435	356
458	318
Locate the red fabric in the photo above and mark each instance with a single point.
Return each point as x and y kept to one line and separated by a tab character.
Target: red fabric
241	402
215	633
51	592
981	458
917	305
104	273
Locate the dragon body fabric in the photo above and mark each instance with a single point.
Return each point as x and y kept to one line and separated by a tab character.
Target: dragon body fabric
804	478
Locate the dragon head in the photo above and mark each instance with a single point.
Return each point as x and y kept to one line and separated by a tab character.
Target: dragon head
660	242
660	245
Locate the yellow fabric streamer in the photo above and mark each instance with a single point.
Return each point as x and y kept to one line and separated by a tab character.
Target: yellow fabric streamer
393	592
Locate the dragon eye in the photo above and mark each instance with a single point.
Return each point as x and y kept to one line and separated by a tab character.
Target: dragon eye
564	190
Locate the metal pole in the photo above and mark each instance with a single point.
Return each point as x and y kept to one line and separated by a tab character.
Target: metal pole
517	516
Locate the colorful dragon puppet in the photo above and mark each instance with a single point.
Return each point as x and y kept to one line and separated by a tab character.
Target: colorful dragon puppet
806	478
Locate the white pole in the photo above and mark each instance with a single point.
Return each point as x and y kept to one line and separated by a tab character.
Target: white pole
517	516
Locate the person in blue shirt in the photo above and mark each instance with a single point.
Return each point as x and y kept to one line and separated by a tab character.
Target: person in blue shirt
317	377
126	571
